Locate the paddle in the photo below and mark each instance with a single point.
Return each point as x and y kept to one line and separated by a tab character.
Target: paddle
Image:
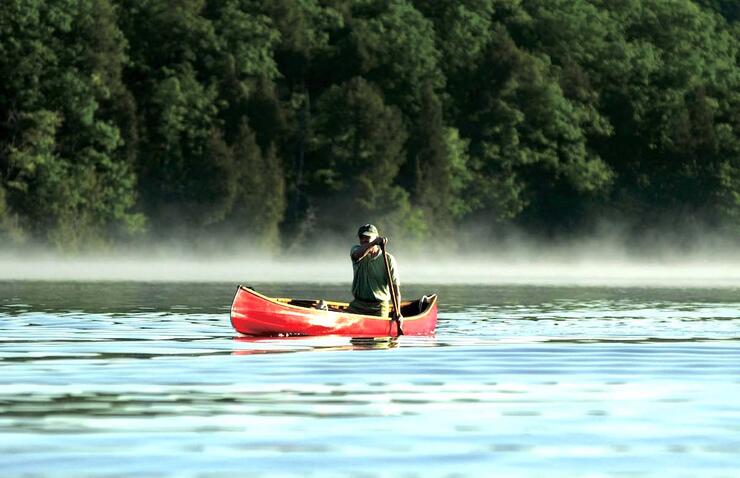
394	298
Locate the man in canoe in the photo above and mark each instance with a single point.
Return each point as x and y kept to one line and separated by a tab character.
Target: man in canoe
370	283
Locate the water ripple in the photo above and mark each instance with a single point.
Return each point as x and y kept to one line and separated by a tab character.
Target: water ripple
102	380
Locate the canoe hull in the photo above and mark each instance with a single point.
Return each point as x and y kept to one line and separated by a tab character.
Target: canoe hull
258	315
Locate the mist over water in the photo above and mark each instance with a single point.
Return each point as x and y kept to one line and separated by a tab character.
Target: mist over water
585	263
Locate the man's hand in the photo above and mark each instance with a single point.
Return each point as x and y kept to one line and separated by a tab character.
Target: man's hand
399	323
381	241
369	246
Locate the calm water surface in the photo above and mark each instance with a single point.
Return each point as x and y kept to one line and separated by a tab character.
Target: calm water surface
149	379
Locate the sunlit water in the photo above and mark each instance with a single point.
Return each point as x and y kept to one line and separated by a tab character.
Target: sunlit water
149	379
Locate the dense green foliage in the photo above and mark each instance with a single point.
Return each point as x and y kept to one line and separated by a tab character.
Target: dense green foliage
278	120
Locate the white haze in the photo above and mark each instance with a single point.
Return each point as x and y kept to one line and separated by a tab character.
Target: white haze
584	263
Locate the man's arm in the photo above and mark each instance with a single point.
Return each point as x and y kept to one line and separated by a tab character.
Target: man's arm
362	251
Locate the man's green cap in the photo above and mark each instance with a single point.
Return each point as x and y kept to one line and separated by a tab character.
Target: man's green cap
367	230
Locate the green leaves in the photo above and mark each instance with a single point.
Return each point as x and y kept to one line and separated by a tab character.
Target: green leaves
358	147
274	120
64	180
396	50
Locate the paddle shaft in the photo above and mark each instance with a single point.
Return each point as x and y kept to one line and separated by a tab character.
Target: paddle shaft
391	286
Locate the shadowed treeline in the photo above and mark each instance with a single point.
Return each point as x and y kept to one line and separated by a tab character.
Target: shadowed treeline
125	121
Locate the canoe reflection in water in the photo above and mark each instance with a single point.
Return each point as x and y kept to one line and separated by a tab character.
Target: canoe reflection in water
330	343
255	314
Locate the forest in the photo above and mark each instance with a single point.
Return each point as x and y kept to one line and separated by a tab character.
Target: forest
276	122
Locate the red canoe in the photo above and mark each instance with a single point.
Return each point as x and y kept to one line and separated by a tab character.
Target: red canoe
255	314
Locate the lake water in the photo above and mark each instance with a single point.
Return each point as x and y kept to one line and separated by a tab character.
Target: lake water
149	379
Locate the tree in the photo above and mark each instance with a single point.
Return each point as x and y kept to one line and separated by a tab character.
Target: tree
358	149
729	9
308	62
196	65
260	199
395	47
439	176
526	137
66	178
676	144
462	32
269	118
